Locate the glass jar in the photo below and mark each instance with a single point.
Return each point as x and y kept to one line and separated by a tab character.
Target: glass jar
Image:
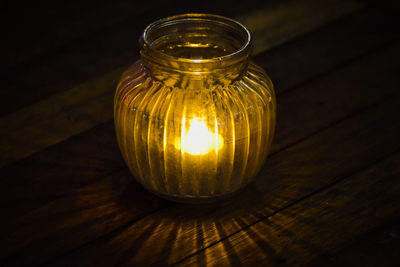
194	117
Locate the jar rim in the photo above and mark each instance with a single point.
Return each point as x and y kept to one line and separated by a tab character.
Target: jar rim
243	51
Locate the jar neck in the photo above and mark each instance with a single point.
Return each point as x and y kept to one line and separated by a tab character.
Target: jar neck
196	50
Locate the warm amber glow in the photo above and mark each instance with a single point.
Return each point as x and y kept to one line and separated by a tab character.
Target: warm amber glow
194	116
198	139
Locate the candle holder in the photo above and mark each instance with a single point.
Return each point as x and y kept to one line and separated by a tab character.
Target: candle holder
194	117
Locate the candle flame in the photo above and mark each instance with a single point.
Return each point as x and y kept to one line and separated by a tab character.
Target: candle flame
199	139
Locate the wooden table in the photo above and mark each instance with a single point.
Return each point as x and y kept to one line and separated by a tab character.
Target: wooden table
328	195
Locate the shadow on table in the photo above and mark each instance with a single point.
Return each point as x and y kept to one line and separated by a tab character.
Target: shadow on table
234	230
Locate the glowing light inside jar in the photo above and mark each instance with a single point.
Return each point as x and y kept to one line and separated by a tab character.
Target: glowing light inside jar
198	139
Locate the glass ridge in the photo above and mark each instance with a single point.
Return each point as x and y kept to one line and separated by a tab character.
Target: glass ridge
194	116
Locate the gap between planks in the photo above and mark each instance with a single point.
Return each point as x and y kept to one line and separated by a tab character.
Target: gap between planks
111	247
100	141
78	60
289	234
80	108
297	95
289	155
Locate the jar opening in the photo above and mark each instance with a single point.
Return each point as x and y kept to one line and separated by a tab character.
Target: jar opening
196	39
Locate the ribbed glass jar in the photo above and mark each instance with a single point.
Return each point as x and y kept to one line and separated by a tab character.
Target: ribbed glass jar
194	116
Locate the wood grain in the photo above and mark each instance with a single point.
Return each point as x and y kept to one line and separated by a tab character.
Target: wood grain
53	29
80	108
59	170
95	153
316	225
288	175
49	27
89	200
331	47
90	44
303	16
331	179
377	247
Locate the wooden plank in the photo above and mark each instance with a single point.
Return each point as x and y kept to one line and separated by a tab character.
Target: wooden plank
316	225
58	171
80	108
75	60
51	29
29	174
340	43
377	247
288	175
48	27
301	15
73	218
101	156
